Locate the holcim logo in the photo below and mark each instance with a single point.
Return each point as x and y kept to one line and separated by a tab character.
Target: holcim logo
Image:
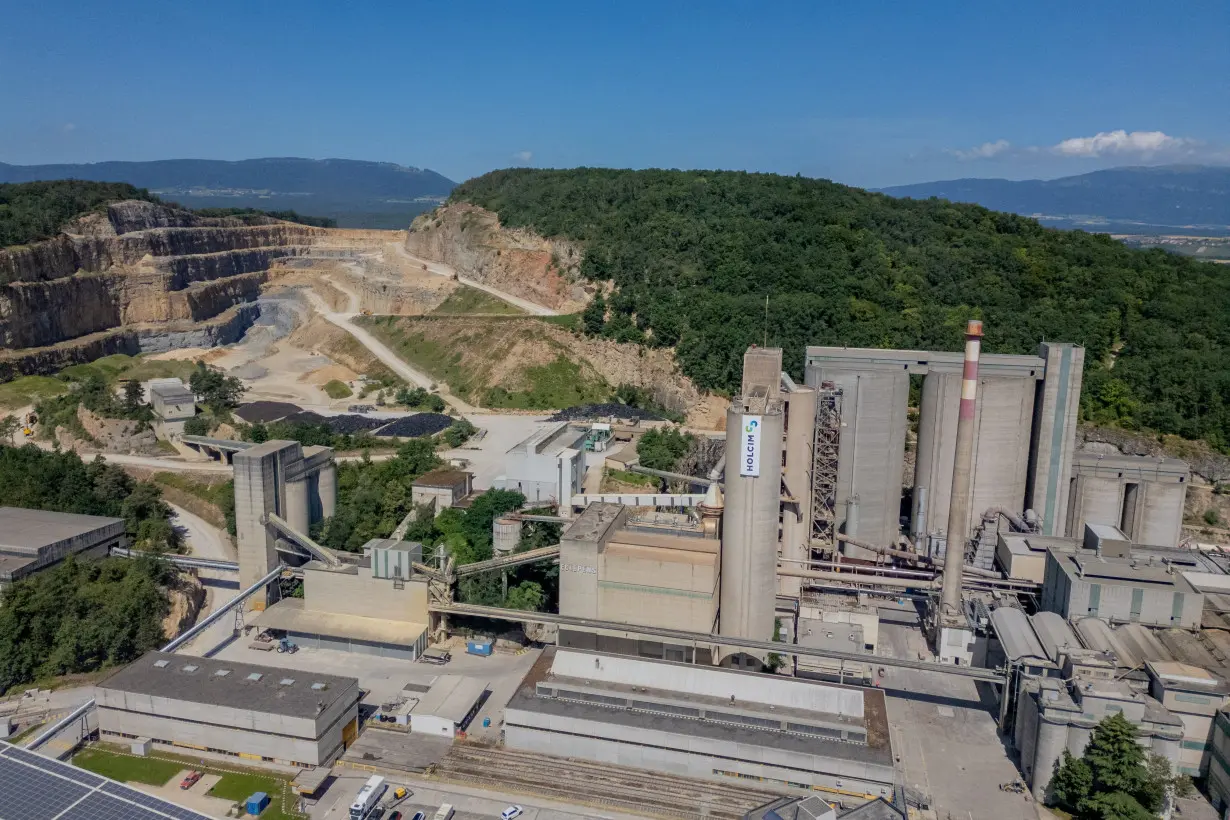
749	464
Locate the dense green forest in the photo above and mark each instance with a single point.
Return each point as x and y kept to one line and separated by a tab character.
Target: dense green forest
42	480
694	254
31	211
81	616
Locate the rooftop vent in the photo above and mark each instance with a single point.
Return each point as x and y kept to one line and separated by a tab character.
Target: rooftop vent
162	664
191	668
287	682
255	676
320	687
222	673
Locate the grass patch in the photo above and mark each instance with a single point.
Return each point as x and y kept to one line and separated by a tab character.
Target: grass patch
27	732
219	495
559	384
635	479
569	321
29	390
148	770
466	299
337	389
236	785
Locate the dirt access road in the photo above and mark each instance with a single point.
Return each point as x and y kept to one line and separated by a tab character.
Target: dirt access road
440	269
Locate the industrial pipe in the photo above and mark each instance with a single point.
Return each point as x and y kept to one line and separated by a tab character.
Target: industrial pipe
719	469
882	550
962	467
855	577
968	570
693	479
1009	516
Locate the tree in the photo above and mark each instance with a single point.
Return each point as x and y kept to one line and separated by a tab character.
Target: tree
661	449
216	390
459	433
9	425
526	595
594	317
1111	780
198	426
132	396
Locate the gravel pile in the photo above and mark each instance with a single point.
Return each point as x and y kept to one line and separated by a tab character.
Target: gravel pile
338	424
585	412
420	424
265	411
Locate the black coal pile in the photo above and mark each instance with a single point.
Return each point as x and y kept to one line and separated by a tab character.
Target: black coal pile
616	410
420	424
338	424
264	412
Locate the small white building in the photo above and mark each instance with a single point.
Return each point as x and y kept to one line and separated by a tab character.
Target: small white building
547	467
448	705
171	400
441	488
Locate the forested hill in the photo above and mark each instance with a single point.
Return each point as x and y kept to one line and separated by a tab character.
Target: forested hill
694	253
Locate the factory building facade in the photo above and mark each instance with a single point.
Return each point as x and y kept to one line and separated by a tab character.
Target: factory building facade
1119	589
1141	496
1024	441
283	716
547	467
296	483
704	722
33	540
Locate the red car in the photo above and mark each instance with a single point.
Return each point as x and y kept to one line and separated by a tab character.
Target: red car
190	781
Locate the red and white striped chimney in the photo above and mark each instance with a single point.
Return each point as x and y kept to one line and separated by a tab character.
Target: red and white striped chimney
962	470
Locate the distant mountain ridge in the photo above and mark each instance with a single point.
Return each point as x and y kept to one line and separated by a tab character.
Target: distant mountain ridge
356	193
1172	198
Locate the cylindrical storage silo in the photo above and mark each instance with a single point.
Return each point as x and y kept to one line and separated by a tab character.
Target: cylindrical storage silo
326	484
1052	740
505	535
750	518
298	510
1169	748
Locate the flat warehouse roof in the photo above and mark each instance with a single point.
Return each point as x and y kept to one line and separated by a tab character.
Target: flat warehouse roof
289	614
450	697
222	683
25	531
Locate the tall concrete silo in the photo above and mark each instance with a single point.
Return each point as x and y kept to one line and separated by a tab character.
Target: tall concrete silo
797	516
750	518
875	387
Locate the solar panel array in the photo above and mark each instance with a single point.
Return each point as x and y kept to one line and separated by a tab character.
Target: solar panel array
33	787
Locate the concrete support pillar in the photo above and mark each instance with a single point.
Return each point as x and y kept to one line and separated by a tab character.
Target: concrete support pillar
298	508
326	484
796	520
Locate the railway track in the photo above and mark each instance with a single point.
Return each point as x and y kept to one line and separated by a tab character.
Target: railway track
633	790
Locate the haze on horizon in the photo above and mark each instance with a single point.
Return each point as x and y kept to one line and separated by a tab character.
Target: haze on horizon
873	95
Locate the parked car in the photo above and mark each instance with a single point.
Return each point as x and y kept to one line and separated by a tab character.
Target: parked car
418	815
190	780
511	812
439	657
395	816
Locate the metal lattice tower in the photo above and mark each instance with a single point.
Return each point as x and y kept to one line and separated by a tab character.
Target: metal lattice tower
825	445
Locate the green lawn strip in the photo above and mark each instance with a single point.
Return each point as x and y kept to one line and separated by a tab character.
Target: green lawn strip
237	784
29	390
472	300
636	479
337	389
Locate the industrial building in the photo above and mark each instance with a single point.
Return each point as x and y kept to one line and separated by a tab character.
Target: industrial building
548	467
286	479
1120	589
288	717
704	722
1141	496
1025	427
33	540
1219	763
445	706
441	488
613	570
171	400
377	606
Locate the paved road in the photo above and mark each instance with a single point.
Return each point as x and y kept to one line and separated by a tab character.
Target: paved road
202	539
441	269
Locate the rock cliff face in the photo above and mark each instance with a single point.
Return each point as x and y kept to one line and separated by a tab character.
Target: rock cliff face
520	262
140	271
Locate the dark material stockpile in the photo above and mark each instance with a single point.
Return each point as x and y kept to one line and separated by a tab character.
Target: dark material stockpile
337	424
420	424
616	410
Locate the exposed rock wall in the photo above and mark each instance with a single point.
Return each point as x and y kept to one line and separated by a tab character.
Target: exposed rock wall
44	361
472	241
117	435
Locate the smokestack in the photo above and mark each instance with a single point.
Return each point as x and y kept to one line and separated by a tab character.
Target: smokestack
962	466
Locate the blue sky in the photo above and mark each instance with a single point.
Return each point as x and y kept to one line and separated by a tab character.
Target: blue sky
868	93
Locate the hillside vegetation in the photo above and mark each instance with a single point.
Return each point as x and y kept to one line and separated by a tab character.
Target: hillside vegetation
693	254
33	211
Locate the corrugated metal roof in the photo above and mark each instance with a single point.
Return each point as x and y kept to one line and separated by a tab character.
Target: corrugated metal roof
1054	633
1016	635
1097	634
1143	643
1187	649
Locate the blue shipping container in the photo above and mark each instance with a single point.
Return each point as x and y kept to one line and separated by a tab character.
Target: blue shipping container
478	647
257	803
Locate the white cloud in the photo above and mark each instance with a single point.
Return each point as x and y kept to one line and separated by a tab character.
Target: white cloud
1122	143
987	150
523	156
